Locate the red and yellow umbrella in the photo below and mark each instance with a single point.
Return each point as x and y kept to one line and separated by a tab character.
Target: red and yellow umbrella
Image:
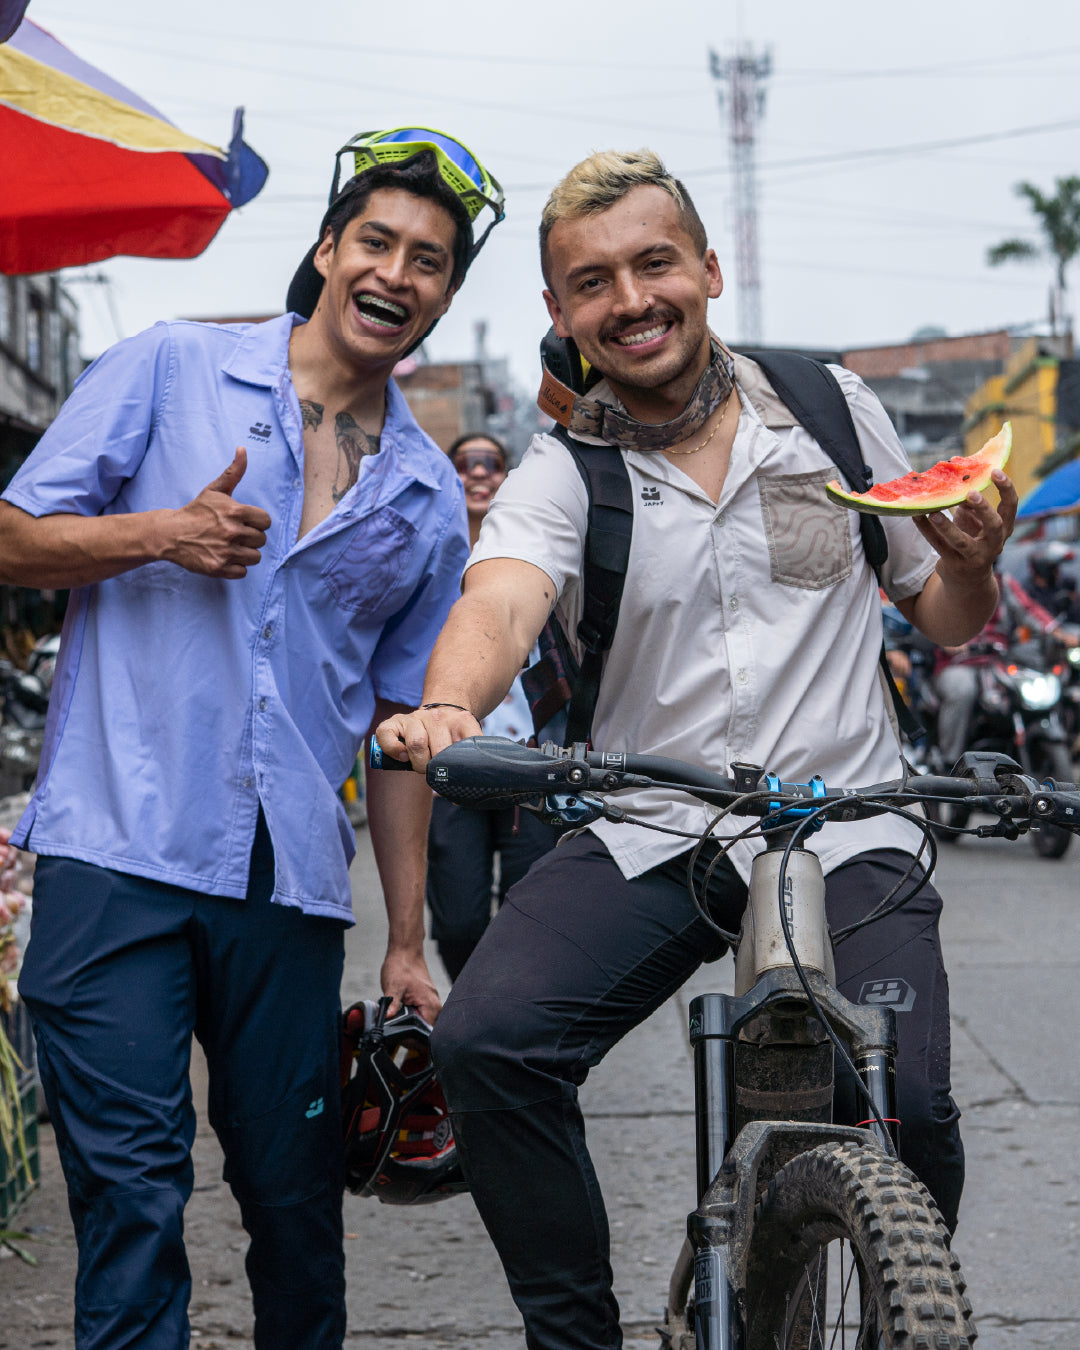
90	170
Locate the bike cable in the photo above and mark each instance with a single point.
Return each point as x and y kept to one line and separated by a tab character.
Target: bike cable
802	828
701	902
885	907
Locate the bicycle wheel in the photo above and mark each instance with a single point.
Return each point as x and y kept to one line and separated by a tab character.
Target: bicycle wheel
848	1250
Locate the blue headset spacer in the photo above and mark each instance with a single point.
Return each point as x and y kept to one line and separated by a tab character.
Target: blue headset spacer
791	815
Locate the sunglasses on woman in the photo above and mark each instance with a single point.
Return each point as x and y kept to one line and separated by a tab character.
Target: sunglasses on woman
465	461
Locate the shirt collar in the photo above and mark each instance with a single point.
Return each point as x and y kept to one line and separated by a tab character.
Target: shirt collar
262	353
764	399
416	451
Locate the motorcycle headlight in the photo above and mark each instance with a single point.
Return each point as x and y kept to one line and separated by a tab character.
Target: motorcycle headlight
1038	691
16	745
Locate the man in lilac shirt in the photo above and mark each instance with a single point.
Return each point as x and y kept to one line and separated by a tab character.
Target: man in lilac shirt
262	546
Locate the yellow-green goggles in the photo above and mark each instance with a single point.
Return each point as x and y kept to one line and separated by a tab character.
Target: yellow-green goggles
459	168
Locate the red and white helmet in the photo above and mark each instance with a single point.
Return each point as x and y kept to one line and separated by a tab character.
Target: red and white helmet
398	1142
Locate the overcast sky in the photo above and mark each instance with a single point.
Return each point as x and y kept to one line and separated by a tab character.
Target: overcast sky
856	248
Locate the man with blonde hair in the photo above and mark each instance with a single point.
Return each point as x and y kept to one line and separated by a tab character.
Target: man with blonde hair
735	641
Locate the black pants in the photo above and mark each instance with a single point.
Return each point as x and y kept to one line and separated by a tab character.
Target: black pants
119	973
576	957
462	845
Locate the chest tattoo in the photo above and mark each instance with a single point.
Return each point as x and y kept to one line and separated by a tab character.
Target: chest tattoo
353	443
311	413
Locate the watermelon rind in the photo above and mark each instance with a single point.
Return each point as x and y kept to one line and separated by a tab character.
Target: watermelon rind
993	455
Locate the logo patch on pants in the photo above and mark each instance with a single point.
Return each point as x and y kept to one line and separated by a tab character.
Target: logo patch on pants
315	1109
895	994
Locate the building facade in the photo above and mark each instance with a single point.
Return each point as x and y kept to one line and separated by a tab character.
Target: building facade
1025	394
39	361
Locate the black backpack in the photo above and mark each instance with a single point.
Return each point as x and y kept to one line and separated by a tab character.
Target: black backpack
811	392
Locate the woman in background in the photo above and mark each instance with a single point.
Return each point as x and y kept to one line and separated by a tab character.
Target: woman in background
463	844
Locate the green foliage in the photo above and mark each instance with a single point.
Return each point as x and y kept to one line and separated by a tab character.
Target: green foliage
1012	250
12	1134
10	1238
1058	220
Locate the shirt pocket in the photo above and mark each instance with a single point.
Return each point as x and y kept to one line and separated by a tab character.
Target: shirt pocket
809	537
370	573
153	577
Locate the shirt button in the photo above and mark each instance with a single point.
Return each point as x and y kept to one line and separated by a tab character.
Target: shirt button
262	705
268	630
247	782
296	483
741	676
734	602
721	519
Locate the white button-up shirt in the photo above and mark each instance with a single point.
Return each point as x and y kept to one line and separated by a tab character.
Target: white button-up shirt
750	628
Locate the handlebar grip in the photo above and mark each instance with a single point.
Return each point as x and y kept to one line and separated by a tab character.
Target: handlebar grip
377	759
1061	806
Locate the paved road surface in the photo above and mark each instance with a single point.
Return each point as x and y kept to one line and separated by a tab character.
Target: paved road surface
428	1276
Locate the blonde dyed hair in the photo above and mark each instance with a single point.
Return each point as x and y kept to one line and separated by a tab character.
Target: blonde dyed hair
603	179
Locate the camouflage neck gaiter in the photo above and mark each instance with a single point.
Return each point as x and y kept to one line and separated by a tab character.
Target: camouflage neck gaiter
589	417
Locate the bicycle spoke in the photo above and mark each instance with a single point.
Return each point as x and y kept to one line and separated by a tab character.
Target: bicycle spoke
845	1285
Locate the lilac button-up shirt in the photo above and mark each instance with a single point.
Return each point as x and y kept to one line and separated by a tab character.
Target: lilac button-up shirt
181	702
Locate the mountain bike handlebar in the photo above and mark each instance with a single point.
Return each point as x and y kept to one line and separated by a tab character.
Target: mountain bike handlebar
491	773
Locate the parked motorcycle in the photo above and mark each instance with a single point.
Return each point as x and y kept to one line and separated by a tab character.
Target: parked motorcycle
24	703
1018	712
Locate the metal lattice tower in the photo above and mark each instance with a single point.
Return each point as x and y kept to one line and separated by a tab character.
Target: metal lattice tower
740	81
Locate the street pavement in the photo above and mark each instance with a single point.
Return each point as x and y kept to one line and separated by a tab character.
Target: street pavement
429	1276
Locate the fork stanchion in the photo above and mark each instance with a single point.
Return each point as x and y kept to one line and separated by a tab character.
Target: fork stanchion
713	1042
878	1074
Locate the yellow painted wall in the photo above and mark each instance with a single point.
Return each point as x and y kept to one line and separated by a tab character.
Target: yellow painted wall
1025	394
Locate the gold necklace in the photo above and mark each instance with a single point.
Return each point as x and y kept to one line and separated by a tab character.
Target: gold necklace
720	420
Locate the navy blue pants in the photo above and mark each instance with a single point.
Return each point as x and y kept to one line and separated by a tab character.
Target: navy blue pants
119	973
574	959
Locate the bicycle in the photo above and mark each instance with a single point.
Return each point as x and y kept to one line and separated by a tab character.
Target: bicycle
807	1234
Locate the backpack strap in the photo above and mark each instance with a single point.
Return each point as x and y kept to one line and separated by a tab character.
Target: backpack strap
810	391
607	554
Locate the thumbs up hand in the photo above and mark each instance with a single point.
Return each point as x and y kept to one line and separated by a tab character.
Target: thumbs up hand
215	535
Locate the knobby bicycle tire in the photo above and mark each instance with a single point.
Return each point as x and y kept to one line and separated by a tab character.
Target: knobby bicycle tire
901	1287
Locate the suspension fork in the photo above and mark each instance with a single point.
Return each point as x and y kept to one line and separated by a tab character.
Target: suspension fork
718	1321
877	1071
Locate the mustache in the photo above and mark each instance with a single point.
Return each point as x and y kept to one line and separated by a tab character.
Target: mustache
657	314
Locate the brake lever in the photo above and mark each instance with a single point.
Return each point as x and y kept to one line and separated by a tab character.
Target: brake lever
577	809
1001	829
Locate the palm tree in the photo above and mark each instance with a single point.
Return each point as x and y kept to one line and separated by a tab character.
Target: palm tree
1058	218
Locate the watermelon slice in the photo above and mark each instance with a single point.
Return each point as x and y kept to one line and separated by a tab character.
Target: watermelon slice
946	484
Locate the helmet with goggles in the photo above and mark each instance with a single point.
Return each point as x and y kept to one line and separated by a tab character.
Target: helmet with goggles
399	1145
457	167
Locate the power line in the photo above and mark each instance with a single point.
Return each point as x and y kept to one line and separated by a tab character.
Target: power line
896	151
548	113
938	278
993	64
